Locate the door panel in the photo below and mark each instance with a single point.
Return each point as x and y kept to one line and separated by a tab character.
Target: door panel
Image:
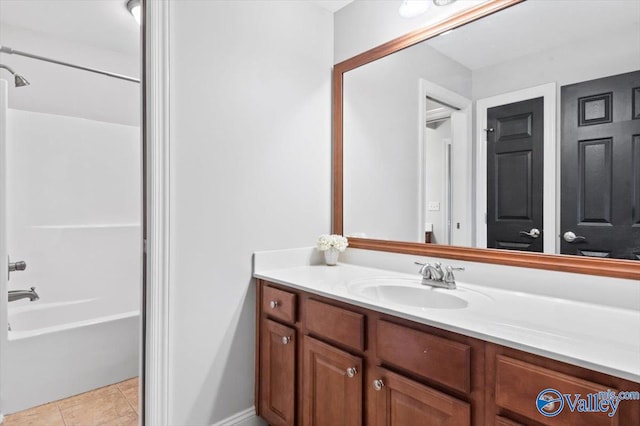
514	175
600	149
403	402
277	373
594	181
331	395
636	180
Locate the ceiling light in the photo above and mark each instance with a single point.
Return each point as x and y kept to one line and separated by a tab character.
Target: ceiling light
134	8
413	8
442	2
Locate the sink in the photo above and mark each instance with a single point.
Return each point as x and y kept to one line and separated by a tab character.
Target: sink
407	292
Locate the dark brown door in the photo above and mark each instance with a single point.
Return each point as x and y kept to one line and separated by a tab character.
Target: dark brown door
403	402
277	373
514	176
601	167
332	386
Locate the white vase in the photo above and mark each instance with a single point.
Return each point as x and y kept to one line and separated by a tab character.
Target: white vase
331	256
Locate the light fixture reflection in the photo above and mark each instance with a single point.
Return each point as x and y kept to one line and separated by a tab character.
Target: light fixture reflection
413	8
442	2
135	9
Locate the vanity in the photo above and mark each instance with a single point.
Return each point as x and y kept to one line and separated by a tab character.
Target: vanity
355	345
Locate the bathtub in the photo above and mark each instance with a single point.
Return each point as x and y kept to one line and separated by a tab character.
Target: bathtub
56	350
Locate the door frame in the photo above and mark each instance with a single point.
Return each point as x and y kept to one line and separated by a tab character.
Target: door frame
433	90
4	91
156	69
550	184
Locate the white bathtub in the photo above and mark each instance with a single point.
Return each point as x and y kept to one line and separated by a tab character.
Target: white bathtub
56	350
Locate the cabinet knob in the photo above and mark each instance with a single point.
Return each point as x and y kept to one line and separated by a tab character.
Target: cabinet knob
351	371
378	384
274	304
286	340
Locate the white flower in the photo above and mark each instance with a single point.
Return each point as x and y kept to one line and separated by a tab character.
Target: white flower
325	242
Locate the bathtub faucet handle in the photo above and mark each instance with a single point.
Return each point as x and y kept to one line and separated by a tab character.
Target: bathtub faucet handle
20	265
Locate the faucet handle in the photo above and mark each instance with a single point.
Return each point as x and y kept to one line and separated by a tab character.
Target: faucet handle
424	269
448	277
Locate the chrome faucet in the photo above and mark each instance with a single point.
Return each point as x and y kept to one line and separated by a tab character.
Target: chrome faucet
434	276
23	294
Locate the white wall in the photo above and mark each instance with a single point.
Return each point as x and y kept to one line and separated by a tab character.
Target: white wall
568	63
73	196
56	89
250	170
382	126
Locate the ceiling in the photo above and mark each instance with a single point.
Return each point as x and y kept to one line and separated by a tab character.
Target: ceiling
101	23
331	5
534	26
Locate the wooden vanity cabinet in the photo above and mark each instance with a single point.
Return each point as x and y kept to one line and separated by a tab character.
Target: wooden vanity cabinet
342	351
324	362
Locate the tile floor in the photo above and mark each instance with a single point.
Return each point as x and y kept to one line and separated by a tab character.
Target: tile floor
109	406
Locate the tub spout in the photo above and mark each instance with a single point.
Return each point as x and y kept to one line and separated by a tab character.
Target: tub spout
23	294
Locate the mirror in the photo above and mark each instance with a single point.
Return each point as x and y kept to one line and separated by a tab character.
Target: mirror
415	169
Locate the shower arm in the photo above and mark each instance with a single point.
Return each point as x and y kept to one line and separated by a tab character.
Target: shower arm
10	51
7	68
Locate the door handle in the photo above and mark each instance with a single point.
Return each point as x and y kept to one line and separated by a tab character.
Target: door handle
533	233
570	237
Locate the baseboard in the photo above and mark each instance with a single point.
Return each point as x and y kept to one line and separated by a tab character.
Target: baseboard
247	417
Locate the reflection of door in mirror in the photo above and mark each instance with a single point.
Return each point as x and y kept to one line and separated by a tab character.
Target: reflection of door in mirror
437	170
601	167
445	168
514	176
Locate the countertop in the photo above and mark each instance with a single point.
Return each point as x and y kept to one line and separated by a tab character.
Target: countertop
589	335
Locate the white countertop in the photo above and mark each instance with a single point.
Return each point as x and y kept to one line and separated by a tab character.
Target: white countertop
598	337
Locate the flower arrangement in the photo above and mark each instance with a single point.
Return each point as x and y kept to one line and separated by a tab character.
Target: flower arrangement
326	242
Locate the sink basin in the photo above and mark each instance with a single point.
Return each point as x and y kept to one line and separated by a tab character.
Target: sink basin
407	292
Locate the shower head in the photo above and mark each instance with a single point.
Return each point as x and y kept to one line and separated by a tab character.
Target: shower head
19	80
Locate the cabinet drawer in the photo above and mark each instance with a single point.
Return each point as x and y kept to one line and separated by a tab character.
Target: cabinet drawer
432	357
279	303
337	324
518	384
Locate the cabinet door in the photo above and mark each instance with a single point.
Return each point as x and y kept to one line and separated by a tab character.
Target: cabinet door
332	385
404	402
277	373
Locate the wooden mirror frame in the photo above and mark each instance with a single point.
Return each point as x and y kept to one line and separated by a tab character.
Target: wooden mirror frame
618	268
